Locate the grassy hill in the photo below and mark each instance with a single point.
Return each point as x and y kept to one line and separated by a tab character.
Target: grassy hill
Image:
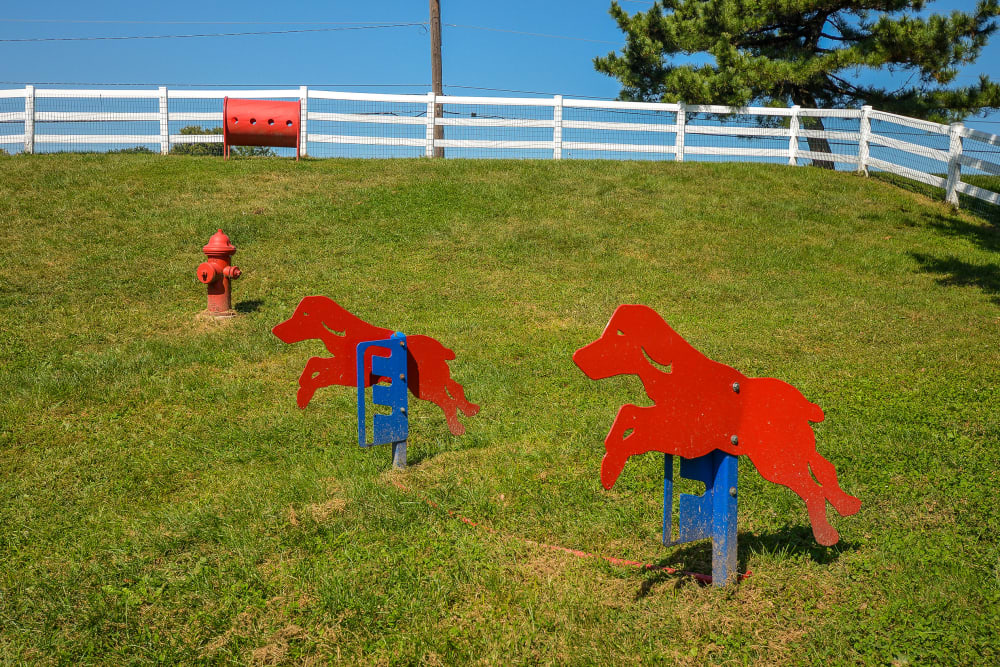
163	499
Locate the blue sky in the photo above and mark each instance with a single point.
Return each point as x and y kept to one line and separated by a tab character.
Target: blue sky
483	48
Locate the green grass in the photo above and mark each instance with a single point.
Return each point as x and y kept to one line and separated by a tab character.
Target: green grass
977	207
162	499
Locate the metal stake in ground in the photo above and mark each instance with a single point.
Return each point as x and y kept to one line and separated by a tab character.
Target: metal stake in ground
710	515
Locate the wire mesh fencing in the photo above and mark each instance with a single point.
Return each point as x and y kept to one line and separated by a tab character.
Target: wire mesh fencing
601	131
11	123
373	126
828	138
979	166
915	150
194	125
713	134
96	122
952	162
497	128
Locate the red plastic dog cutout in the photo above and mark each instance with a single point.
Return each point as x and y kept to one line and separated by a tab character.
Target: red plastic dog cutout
428	375
701	405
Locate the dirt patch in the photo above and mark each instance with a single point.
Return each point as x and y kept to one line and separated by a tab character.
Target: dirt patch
320	512
251	624
433	467
207	321
544	564
241	627
335	504
276	649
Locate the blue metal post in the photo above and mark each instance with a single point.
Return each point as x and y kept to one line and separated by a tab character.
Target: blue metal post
724	502
710	515
668	498
393	427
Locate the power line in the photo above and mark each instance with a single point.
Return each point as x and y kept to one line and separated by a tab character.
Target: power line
532	34
341	26
214	34
129	22
527	92
216	85
284	32
295	84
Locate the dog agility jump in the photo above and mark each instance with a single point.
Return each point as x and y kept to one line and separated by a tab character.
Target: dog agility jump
702	407
703	411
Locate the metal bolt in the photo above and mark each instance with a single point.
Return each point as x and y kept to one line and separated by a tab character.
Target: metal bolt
403	410
732	491
402	343
735	440
736	387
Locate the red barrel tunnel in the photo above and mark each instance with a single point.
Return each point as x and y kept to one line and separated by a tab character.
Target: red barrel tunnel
261	123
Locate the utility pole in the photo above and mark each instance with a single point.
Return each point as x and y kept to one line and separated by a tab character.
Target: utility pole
436	70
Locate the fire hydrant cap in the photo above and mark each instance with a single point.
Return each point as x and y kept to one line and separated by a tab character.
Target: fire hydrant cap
219	245
206	272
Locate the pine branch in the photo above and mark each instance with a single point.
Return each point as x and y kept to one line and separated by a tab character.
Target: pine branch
776	51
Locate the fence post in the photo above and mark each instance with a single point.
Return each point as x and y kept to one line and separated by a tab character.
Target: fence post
679	133
29	119
793	136
303	119
557	114
954	166
164	122
431	98
864	139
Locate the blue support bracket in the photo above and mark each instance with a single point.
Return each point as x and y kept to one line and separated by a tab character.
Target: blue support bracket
710	515
394	427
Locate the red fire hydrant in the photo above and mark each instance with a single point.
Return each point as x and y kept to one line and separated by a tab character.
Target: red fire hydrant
217	272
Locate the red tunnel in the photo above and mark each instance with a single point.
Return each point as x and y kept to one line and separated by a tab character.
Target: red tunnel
261	123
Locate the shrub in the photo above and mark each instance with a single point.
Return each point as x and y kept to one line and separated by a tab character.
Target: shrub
253	151
197	149
216	149
133	149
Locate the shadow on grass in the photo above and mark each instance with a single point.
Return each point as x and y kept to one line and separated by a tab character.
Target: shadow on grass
981	209
457	444
413	459
977	207
249	306
958	272
986	237
792	542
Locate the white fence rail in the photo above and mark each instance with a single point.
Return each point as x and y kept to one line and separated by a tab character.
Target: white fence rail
348	124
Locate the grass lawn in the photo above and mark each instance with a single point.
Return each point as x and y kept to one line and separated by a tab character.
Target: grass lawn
977	207
163	499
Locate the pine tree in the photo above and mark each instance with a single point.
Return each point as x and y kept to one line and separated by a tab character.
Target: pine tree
805	52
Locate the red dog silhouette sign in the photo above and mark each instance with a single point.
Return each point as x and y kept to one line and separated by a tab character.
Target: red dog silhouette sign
427	373
702	405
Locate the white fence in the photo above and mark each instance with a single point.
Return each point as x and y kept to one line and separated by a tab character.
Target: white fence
342	124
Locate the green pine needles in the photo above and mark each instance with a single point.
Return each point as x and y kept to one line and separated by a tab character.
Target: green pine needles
814	53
